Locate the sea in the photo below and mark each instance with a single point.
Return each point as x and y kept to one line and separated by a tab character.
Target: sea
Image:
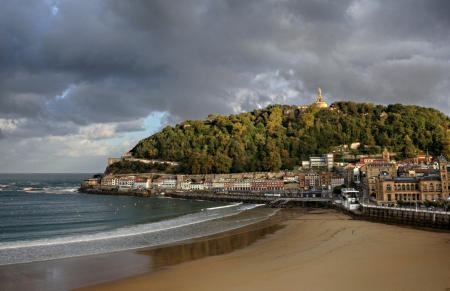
43	217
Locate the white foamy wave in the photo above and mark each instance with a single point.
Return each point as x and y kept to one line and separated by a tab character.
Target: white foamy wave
226	206
59	190
251	206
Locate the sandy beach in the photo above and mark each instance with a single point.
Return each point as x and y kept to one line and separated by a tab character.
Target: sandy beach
321	250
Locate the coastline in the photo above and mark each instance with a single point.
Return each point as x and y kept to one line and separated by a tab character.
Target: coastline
318	250
75	272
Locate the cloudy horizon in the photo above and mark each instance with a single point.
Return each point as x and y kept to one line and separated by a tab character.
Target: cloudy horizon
85	80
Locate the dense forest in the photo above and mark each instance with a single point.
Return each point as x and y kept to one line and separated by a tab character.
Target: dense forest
128	167
280	136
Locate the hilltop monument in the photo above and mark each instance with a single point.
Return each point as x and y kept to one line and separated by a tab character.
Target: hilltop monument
319	102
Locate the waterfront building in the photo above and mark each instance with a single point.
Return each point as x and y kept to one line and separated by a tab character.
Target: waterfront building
142	183
157	182
196	186
325	180
273	185
301	181
126	182
169	183
242	185
185	185
372	170
336	180
110	181
312	181
90	182
431	186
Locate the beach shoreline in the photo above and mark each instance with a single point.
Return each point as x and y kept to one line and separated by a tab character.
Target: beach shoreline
75	272
317	250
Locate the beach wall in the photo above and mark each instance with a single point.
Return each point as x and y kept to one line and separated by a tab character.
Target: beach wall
423	218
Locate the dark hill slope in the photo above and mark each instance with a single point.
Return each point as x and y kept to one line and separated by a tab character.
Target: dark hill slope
279	136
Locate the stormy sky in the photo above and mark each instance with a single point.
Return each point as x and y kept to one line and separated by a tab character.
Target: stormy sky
83	80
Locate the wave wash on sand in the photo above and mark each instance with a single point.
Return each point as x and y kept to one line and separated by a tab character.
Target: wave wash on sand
206	222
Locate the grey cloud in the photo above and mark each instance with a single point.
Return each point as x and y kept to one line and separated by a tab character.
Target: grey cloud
115	62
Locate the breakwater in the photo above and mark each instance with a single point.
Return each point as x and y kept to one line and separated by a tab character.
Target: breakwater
115	191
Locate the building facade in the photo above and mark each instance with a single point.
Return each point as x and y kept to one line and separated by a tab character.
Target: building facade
431	187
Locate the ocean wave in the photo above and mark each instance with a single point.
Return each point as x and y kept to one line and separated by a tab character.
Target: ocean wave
182	221
226	206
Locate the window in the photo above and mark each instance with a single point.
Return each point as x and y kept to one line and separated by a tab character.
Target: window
431	187
403	187
425	188
418	196
407	187
396	197
388	187
389	197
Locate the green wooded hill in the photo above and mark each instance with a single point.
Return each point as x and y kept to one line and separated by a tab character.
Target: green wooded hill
280	136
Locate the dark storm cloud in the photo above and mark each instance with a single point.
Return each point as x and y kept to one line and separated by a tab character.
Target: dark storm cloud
118	61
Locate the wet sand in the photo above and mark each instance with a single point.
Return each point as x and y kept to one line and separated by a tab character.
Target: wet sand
322	250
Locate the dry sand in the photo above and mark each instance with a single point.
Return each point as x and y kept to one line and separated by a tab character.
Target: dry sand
322	250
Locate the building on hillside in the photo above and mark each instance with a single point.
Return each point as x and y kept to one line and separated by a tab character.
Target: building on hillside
431	186
323	161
